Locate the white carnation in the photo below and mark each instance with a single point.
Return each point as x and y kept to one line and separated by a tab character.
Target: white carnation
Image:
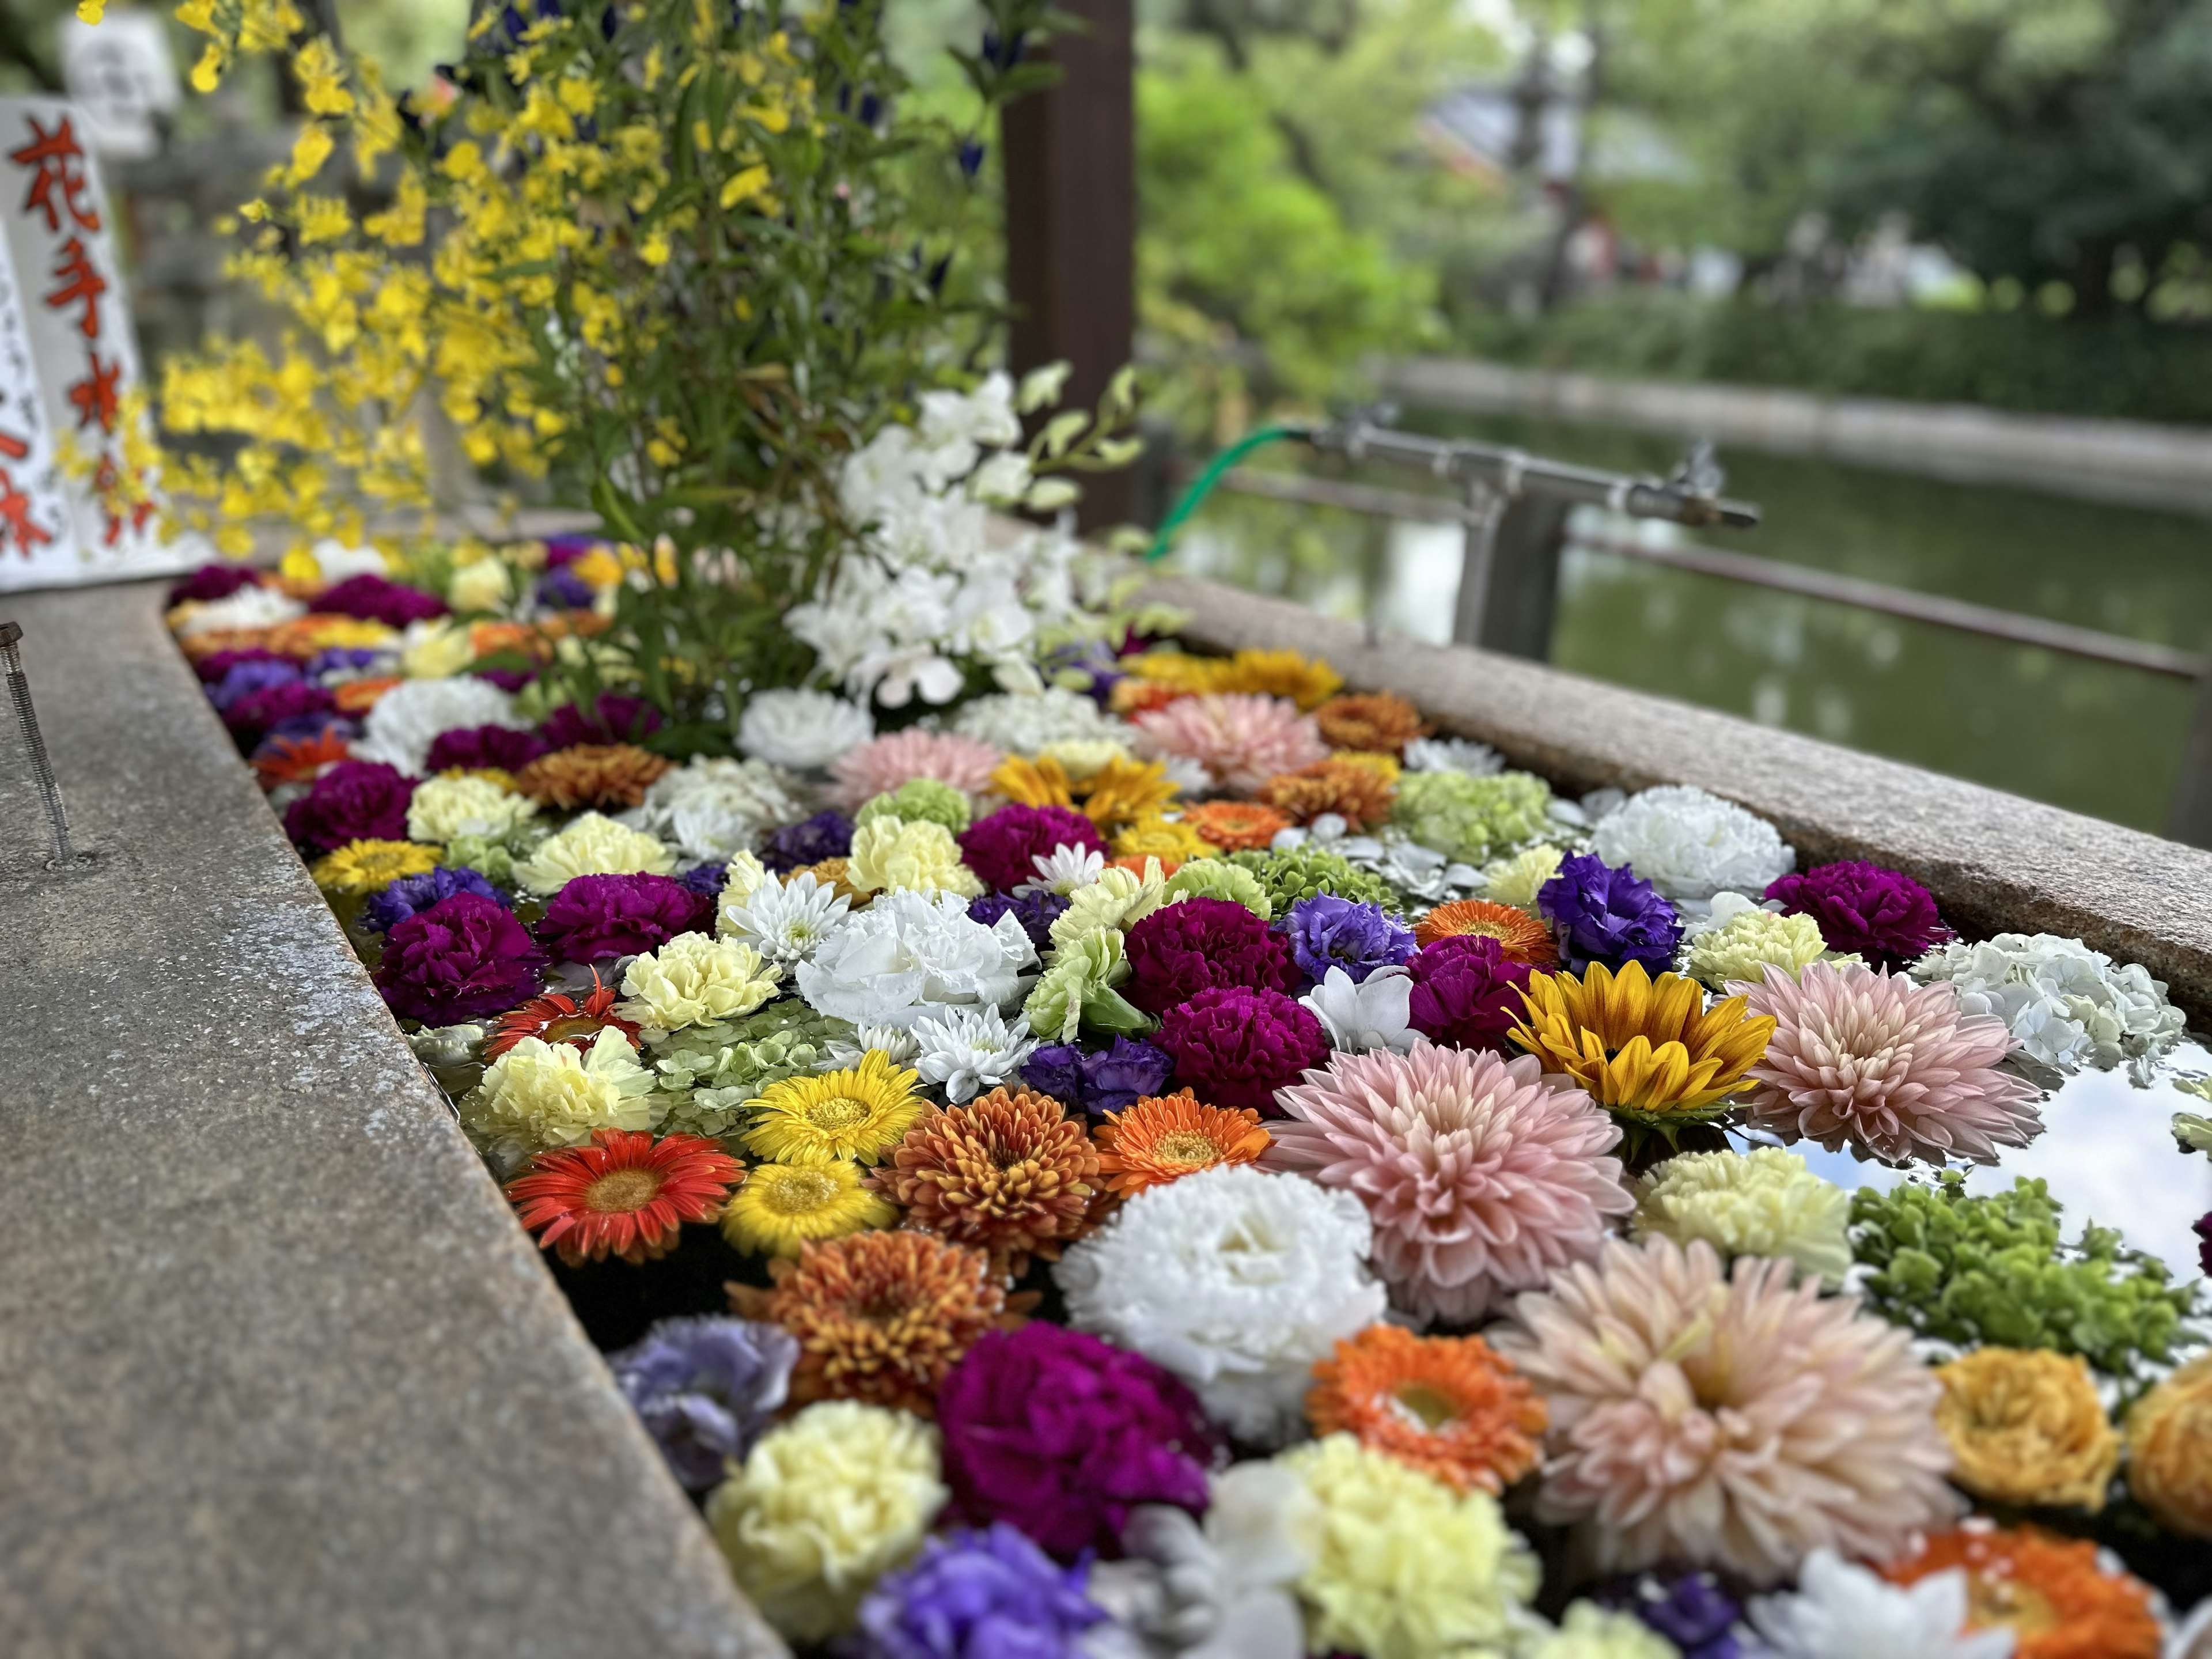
1027	725
1843	1611
413	715
1237	1281
716	808
912	956
787	922
2069	1007
970	1050
1691	845
249	607
801	730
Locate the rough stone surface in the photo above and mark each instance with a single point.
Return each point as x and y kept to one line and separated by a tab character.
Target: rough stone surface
1995	862
283	1377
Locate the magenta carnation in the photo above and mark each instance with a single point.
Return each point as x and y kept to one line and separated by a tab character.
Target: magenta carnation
477	748
616	718
1063	1434
353	800
1466	991
250	716
880	765
1242	740
1179	950
213	582
1002	848
375	598
466	957
596	917
1236	1046
1862	909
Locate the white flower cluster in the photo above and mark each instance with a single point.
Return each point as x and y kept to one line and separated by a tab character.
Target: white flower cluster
1477	760
415	714
2068	1006
1691	845
1030	723
801	730
716	808
912	955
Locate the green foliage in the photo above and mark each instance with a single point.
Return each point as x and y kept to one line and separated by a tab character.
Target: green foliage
704	1074
1471	820
1286	878
919	799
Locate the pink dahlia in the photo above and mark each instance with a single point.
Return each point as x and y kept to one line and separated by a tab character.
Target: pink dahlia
1726	1421
1241	741
1480	1180
880	765
1897	1069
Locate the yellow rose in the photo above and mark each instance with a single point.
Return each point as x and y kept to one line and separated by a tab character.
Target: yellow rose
2026	1426
2170	1449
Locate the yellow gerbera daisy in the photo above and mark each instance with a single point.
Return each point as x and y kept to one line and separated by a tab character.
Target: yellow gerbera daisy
1156	838
782	1206
1128	791
861	1112
1042	782
1640	1045
370	866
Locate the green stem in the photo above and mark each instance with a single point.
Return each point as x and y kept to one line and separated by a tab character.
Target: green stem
1203	484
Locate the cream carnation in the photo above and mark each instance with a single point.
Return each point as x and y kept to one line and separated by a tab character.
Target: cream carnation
1763	1202
1691	845
695	978
1117	900
1589	1632
1240	739
592	845
910	957
435	649
1236	1280
1516	881
413	715
824	1506
916	856
878	767
2068	1005
465	805
1480	1180
801	730
1741	939
540	1094
716	808
1025	724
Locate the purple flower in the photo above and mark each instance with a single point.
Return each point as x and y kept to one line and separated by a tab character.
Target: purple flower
706	1388
593	917
1202	944
353	800
410	894
344	662
1063	1434
617	718
1608	915
1888	918
254	714
475	748
1035	911
1003	848
564	550
1111	1080
311	725
213	582
246	677
1327	931
1693	1610
375	598
1465	992
561	589
2203	1229
1236	1046
213	666
509	680
989	1594
824	836
706	880
464	957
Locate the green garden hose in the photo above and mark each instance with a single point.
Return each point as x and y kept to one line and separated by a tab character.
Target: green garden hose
1202	486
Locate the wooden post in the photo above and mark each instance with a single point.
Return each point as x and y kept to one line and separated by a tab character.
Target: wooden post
1071	168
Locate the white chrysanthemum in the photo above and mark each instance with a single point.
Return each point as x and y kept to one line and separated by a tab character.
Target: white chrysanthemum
786	921
716	808
1025	724
1236	1280
1477	760
910	957
1763	1202
592	844
970	1050
896	1043
1419	874
465	805
540	1095
1843	1611
801	730
2068	1006
1376	1013
695	978
412	715
1063	870
249	607
1589	1632
1691	845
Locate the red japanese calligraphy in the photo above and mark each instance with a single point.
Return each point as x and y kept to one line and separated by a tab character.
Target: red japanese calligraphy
15	517
104	483
14	448
60	164
79	280
95	396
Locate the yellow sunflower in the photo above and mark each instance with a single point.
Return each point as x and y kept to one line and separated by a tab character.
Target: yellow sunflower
782	1206
1639	1045
370	866
861	1112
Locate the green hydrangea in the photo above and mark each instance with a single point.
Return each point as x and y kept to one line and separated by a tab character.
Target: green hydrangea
1217	878
494	856
1286	878
1992	1271
924	798
1471	819
704	1074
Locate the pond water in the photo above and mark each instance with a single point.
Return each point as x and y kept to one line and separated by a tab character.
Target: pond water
2099	739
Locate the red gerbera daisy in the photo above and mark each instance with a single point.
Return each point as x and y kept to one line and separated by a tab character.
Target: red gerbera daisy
625	1194
298	760
558	1017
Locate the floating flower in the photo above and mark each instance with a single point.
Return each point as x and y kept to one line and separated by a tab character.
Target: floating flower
1242	740
1157	1140
1029	724
483	748
1360	1014
1888	918
1178	950
695	978
281	759
625	1194
1693	1610
369	866
408	719
1725	1421
614	717
801	730
2170	1449
212	582
592	844
968	1050
878	767
1064	1436
1466	993
444	808
979	1594
1326	931
1380	721
1235	826
1446	1405
541	1094
910	955
1116	900
1518	880
2054	1595
371	598
1895	1069
1060	872
1691	845
1843	1611
1519	935
1607	916
705	1388
598	775
2026	1427
1640	1045
1235	1280
243	607
859	1112
824	836
921	857
1589	1632
1169	841
1471	819
787	922
594	917
1003	848
463	958
1124	792
1010	1173
1043	781
559	1017
353	800
1108	1079
1351	791
1237	1045
2068	1006
1036	910
1763	1202
1305	681
822	1508
716	808
920	800
1479	1179
410	895
782	1206
1744	941
1077	990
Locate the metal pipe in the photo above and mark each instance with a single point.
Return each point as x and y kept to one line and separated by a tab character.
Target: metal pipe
42	768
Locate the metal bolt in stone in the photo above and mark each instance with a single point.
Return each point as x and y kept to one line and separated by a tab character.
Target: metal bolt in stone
42	768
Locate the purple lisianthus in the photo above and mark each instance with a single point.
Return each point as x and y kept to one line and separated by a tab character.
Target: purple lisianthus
706	880
1466	992
1693	1610
1063	1434
593	917
353	800
377	599
1035	911
1200	944
824	836
247	677
1236	1046
212	667
1003	848
1888	918
410	893
252	715
211	583
1111	1079
561	589
475	748
706	1388
1327	931
616	718
466	957
1600	914
987	1595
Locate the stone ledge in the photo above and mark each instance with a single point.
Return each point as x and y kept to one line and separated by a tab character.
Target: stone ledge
284	1377
1995	862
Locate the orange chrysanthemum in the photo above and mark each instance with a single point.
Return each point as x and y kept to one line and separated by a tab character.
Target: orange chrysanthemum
1520	935
1371	720
880	1317
2048	1591
358	697
600	775
1237	826
1449	1405
1009	1173
625	1194
298	760
1162	1138
1358	794
558	1017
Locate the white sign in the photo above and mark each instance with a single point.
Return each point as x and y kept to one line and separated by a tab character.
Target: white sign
121	73
68	362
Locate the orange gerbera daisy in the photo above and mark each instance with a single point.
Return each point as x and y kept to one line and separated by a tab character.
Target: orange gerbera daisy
1358	794
358	697
1449	1405
558	1017
2048	1591
1522	938
1132	695
1237	826
625	1194
1162	1138
298	760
